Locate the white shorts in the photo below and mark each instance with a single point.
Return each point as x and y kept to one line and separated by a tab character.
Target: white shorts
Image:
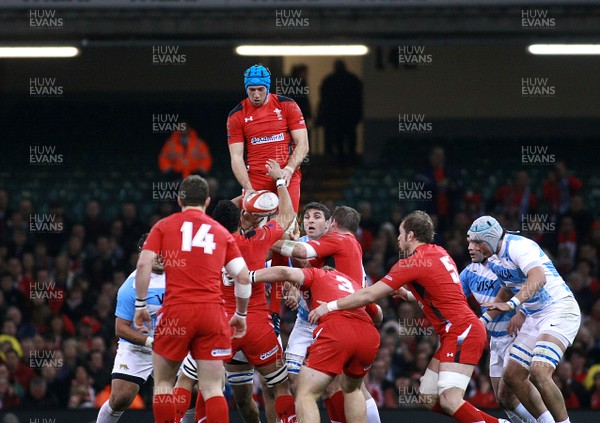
133	363
301	338
499	348
561	320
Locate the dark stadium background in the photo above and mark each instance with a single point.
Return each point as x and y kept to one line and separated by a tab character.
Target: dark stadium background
470	93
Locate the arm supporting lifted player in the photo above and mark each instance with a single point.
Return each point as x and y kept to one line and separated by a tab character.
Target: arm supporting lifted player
243	290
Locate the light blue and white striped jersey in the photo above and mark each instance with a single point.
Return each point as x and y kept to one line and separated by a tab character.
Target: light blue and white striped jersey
479	280
154	299
516	258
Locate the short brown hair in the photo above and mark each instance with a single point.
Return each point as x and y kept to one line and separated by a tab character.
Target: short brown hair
193	191
346	218
420	224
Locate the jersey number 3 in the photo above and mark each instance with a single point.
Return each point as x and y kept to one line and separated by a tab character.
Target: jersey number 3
344	284
202	239
450	268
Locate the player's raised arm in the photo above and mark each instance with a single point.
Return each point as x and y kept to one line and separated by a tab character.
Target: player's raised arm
142	281
286	214
300	138
357	299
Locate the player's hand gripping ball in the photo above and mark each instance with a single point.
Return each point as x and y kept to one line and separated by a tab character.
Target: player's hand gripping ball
261	203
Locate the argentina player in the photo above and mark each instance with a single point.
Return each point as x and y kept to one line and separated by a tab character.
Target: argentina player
483	284
133	361
553	315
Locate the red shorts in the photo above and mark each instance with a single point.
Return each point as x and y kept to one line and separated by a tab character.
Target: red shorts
343	344
259	182
202	329
463	344
260	344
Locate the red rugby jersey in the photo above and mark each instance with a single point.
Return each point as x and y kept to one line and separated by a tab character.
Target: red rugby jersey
254	246
194	249
265	130
431	275
331	285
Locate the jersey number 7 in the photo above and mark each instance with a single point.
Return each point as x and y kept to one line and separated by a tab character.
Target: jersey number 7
202	239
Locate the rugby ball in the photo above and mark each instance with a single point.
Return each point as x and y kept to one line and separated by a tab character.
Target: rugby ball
261	203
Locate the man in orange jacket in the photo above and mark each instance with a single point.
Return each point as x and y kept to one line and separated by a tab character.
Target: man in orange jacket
185	153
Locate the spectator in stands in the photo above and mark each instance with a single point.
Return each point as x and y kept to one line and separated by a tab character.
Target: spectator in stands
578	365
440	181
185	153
559	187
93	222
98	372
573	392
75	254
50	374
9	399
18	371
340	111
516	199
582	218
71	359
42	259
39	397
133	228
81	394
75	306
12	296
583	294
595	393
377	381
61	274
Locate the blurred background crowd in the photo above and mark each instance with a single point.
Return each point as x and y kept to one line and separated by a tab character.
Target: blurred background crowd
59	279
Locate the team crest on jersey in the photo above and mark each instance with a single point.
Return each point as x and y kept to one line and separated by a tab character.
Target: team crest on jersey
278	112
248	119
123	367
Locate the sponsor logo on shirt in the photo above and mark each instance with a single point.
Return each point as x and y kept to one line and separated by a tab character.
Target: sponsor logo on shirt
272	138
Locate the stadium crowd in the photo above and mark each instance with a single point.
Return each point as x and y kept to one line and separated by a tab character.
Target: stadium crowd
59	279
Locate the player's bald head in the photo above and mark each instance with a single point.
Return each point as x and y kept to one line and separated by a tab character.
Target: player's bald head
193	191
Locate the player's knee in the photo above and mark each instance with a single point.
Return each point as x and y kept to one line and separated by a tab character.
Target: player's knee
121	401
522	356
450	400
541	375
